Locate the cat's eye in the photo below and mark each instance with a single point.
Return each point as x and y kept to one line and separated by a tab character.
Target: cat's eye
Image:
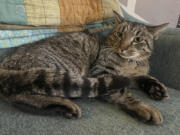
137	39
118	34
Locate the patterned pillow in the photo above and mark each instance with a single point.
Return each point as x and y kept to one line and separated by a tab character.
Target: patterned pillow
66	15
30	16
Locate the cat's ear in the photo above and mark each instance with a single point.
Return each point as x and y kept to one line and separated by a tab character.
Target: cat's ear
156	30
118	17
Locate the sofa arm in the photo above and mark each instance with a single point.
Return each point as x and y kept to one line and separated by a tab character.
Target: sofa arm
165	60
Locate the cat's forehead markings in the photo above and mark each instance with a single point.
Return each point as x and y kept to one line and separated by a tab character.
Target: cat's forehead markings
137	32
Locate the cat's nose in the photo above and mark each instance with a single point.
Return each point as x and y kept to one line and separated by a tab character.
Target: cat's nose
122	50
123	45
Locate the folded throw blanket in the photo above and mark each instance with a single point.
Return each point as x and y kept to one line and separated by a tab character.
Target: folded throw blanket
25	21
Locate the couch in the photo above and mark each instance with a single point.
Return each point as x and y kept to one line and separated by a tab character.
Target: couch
104	119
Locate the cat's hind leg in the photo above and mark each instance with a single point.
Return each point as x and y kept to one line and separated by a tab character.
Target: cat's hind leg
45	105
127	102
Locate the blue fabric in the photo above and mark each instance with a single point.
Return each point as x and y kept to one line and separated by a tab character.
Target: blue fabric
99	24
9	38
12	12
13	38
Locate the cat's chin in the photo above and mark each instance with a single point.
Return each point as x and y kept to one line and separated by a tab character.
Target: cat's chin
132	57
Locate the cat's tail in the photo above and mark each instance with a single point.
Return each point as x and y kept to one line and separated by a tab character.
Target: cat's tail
56	83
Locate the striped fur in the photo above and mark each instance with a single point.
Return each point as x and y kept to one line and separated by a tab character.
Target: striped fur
55	83
42	75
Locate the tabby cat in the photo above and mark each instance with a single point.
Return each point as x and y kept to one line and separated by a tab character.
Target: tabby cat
42	77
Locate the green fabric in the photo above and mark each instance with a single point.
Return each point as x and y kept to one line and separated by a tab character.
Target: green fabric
12	11
97	119
165	61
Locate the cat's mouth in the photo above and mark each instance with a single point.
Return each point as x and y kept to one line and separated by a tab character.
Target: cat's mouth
127	55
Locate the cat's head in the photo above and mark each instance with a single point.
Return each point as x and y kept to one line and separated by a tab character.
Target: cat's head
132	40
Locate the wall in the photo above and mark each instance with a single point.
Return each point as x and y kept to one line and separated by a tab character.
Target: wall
157	11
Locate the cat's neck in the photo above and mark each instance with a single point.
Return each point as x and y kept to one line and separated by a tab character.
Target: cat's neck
138	62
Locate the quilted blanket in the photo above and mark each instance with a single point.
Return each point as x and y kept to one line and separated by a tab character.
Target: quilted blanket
25	21
66	15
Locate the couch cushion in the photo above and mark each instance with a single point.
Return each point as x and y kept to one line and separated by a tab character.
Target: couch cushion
97	119
165	61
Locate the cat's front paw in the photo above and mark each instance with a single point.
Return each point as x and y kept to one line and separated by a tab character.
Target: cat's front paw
145	113
155	89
